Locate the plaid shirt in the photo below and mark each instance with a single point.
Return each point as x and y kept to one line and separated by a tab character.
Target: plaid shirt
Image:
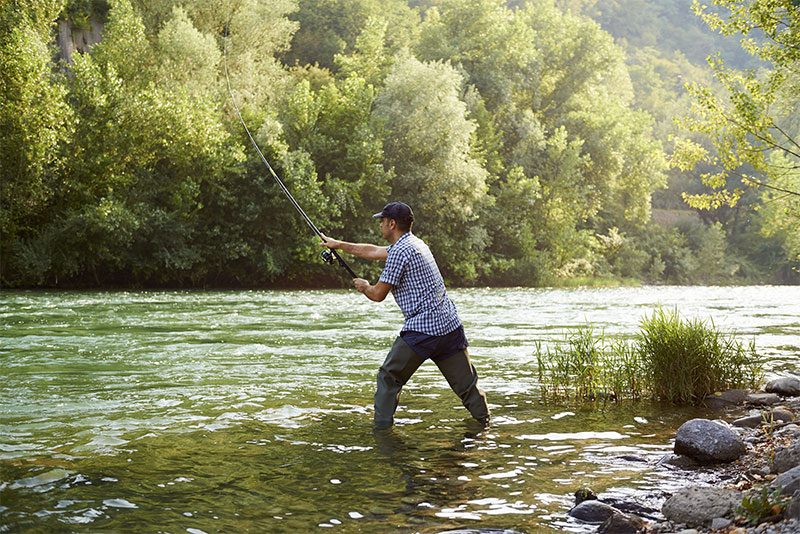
418	287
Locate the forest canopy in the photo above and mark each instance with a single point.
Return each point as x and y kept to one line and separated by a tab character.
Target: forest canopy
535	140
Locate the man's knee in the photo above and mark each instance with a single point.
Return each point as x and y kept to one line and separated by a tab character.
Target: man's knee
388	378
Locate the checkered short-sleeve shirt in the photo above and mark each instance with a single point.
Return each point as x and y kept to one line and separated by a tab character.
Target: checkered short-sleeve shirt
418	287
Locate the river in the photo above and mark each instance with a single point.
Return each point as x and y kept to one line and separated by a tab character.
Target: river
251	410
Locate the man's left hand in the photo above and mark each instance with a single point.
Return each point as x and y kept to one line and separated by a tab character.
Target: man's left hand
360	284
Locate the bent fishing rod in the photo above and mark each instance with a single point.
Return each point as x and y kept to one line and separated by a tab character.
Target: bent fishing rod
329	255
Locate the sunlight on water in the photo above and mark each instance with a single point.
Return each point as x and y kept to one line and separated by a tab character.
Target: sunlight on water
229	411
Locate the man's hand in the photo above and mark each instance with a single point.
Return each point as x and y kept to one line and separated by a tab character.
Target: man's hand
361	284
330	242
377	292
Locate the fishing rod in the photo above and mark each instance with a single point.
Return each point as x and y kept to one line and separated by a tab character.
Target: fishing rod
329	255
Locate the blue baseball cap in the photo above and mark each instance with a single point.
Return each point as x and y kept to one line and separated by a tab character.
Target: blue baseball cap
398	211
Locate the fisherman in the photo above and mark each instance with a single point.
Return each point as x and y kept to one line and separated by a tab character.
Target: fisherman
432	328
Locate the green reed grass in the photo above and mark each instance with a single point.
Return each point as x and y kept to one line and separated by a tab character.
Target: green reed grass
671	359
589	366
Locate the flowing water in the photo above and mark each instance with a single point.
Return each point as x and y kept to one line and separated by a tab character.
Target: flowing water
251	411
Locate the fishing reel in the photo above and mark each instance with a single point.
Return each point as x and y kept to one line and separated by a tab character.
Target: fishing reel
327	256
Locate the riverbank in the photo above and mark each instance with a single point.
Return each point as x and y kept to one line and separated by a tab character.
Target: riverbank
748	459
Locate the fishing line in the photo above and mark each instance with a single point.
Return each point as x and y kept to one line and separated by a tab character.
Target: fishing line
328	255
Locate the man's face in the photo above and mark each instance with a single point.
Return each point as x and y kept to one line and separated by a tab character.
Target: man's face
386	228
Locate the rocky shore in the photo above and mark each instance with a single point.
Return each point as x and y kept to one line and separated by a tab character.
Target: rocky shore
753	448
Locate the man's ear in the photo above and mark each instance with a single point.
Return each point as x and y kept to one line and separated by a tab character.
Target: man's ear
392	224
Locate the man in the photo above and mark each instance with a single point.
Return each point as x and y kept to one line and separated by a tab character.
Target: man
432	328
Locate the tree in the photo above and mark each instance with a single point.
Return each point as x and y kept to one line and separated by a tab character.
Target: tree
753	126
558	99
495	48
35	121
331	27
428	141
188	59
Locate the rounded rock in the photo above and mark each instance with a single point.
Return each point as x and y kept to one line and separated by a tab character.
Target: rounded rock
788	481
786	458
787	386
592	511
697	506
708	441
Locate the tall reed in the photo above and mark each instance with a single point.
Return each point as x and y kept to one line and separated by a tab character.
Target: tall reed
671	359
688	360
589	366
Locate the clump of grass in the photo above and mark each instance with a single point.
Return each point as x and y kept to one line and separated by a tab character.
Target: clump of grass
586	366
688	360
671	359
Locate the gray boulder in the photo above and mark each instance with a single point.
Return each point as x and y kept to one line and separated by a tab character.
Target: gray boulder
788	386
793	508
789	481
708	441
763	399
726	399
681	462
698	506
593	511
720	523
786	458
764	419
622	524
751	421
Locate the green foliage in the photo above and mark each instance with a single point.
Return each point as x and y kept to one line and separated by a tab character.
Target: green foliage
188	59
588	366
328	28
428	144
762	504
671	359
81	12
752	123
668	25
34	119
516	130
370	58
688	360
558	91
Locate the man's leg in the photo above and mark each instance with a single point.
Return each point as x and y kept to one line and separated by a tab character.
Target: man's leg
463	380
400	364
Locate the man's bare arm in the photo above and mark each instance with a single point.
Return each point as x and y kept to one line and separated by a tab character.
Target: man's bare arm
376	293
364	251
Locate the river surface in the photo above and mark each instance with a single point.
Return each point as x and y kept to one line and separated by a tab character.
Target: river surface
251	411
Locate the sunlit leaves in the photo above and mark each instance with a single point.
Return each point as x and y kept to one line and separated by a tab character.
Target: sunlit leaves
188	59
34	116
428	145
753	126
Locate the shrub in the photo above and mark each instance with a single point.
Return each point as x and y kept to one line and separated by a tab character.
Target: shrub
688	360
680	361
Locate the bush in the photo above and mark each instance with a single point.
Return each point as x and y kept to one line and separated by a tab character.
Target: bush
680	361
689	360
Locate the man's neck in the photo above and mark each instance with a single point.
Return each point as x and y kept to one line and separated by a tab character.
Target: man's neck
395	236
